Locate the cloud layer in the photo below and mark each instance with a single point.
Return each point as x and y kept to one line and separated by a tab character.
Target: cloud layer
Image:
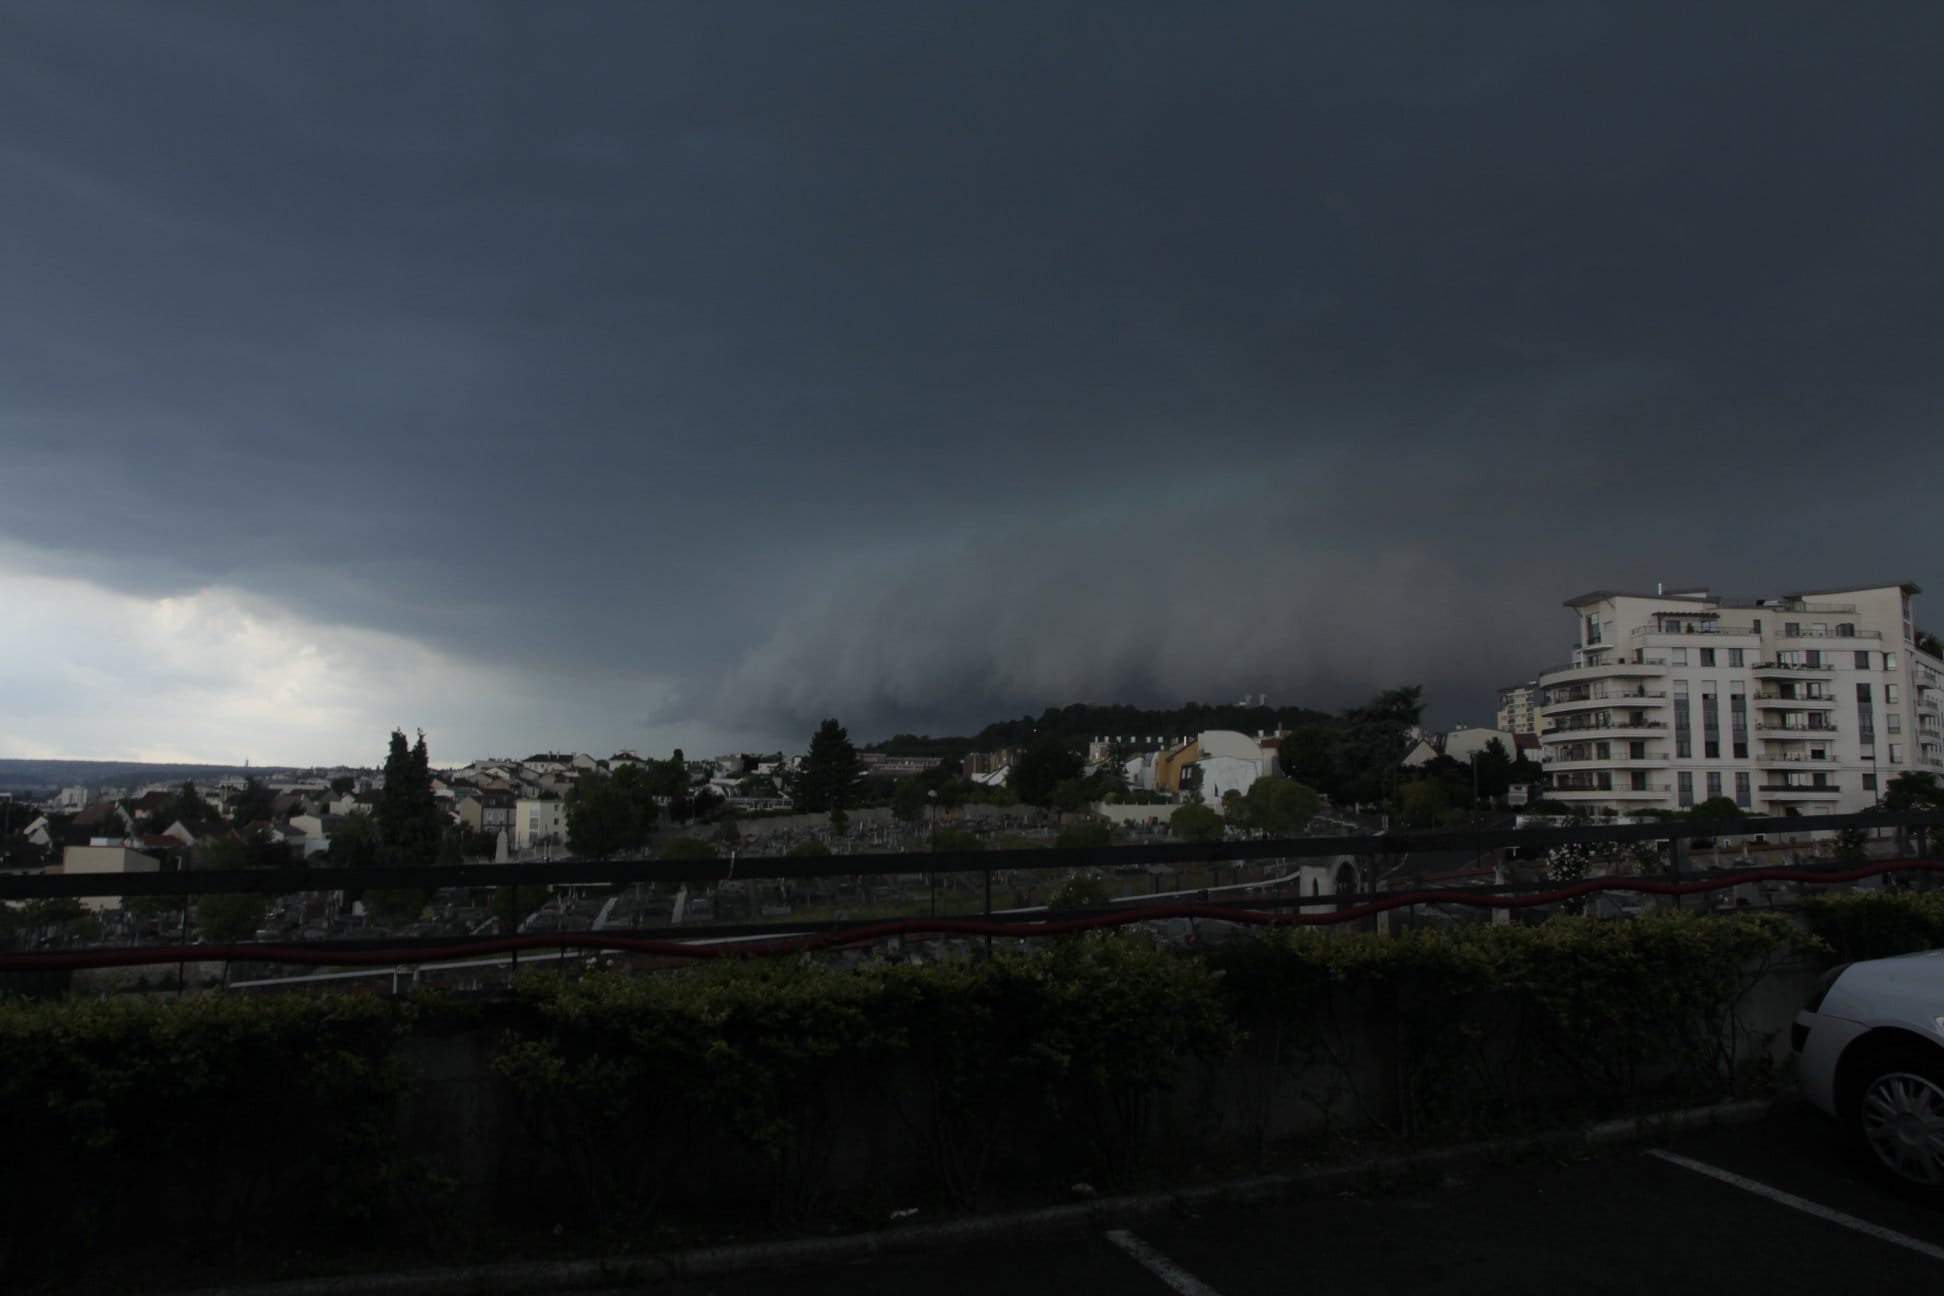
678	374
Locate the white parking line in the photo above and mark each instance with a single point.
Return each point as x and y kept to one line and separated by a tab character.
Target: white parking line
1807	1207
1159	1265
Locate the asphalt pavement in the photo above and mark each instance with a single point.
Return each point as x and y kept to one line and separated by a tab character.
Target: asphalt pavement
1798	1216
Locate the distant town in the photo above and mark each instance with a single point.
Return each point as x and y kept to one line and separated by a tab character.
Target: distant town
1673	703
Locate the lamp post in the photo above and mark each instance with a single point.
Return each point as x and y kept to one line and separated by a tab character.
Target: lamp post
931	795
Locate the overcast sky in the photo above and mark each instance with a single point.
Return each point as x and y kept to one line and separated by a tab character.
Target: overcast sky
657	374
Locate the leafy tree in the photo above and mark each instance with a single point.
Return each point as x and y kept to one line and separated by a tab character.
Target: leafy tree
1079	891
1717	808
1373	740
1852	848
956	839
343	784
728	831
1072	795
755	786
452	847
232	917
1085	833
1492	770
191	808
911	801
1929	643
1421	802
607	814
409	823
687	848
354	842
830	773
254	804
812	849
1280	807
1041	768
395	906
511	905
1915	790
1195	823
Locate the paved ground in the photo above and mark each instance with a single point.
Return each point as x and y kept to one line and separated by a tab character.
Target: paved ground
1624	1221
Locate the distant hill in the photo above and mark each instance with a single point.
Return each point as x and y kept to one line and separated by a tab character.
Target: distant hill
1081	723
52	775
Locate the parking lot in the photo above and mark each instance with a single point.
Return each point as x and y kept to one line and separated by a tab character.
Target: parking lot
1623	1220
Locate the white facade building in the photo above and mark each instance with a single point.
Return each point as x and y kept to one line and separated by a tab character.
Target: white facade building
1809	703
538	821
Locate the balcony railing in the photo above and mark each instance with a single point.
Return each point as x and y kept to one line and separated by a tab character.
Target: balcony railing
1641	632
1784	700
1585	695
1792	758
1826	668
1602	727
1805	633
1799	790
1622	662
1796	731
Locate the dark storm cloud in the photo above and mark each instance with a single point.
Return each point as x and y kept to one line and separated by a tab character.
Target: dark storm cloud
931	361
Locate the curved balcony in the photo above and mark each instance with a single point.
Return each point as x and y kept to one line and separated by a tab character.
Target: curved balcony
1598	697
1795	733
1624	728
1641	667
1793	792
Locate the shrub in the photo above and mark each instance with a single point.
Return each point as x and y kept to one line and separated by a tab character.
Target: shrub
1877	925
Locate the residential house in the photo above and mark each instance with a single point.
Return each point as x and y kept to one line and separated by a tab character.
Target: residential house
106	859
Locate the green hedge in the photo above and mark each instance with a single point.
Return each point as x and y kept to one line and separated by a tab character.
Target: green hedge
194	1124
229	1117
1877	924
1483	1025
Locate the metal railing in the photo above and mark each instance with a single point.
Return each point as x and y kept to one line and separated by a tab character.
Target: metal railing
1375	853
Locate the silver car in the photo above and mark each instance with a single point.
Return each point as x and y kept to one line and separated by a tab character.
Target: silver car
1870	1047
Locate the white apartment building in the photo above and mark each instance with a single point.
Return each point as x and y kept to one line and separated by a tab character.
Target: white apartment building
538	821
1811	702
1519	708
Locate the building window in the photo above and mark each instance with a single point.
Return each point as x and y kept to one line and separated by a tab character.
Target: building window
1896	753
1863	660
1683	731
1893	721
1636	751
1890	694
1677	656
1710	721
1592	630
1640	780
1743	792
1714	784
1685	781
1869	782
1735	657
1889	661
1812	657
1792	629
1707	657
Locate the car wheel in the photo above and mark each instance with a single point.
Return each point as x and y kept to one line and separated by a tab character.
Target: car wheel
1895	1117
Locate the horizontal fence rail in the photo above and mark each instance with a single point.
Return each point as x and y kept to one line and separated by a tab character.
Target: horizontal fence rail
579	872
713	943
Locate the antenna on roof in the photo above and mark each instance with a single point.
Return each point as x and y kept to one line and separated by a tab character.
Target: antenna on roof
1659	588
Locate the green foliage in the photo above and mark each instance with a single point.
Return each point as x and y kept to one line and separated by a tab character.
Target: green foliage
1374	736
1717	808
956	839
1421	802
343	784
1078	724
512	905
1042	768
1929	643
686	848
1279	807
812	849
1877	924
607	813
1852	848
1085	833
1080	890
1196	823
395	906
409	822
912	801
234	916
119	1109
354	842
1488	1023
253	804
829	776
